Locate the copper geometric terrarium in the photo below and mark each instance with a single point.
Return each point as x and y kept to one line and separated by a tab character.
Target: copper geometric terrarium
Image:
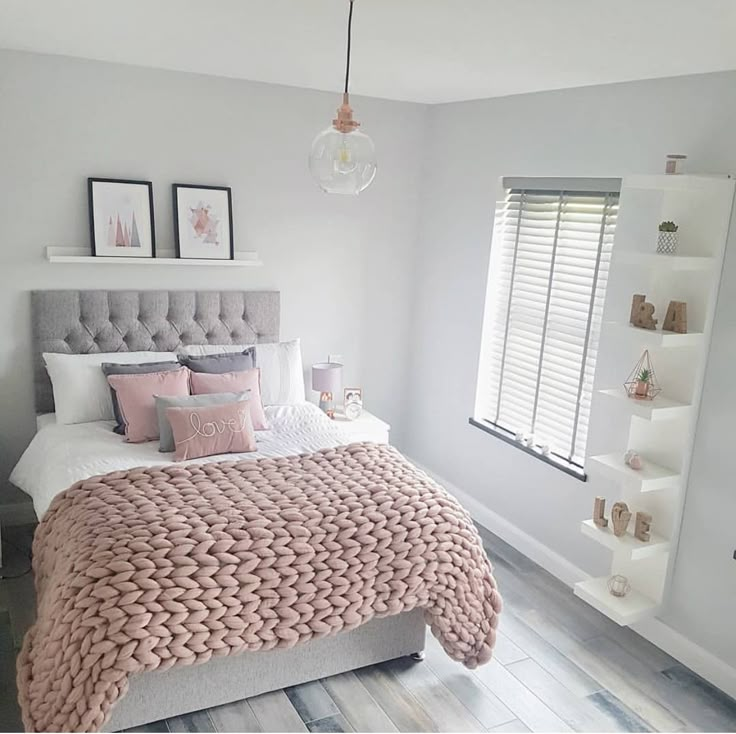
642	382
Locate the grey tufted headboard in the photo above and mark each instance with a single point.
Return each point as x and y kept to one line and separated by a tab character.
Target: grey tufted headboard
82	322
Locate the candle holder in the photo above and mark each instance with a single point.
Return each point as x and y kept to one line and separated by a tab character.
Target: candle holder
619	585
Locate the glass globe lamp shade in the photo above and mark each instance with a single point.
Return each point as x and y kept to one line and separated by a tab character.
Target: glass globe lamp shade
342	162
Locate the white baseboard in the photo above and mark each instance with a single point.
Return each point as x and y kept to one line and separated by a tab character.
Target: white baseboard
704	663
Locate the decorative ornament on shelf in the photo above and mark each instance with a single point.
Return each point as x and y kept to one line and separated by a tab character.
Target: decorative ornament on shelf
642	313
667	240
633	460
352	402
674	163
643	527
641	383
620	517
599	511
619	585
343	159
676	318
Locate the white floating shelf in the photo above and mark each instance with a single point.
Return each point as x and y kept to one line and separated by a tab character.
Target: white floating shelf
623	610
650	478
703	206
79	256
679	182
659	409
671	262
627	545
657	337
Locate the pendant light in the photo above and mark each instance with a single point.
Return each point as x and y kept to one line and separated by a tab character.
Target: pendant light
343	159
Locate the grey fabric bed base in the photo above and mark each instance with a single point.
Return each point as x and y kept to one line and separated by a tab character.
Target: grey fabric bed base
153	696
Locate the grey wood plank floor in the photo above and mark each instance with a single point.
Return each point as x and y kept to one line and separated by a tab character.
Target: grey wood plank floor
560	666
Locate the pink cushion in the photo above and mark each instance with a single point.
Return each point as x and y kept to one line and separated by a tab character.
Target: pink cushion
204	383
213	429
135	395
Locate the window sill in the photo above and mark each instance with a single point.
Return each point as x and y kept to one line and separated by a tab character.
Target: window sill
558	462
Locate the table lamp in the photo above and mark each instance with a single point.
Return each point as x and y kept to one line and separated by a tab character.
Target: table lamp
326	380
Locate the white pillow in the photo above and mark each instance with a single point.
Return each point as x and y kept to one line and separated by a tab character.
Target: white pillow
203	350
81	392
282	374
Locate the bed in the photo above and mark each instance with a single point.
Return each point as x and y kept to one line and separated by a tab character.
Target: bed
79	322
60	455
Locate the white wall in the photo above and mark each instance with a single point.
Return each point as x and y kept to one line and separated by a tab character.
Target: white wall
597	131
343	265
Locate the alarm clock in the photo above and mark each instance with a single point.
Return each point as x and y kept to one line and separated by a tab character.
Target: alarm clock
353	403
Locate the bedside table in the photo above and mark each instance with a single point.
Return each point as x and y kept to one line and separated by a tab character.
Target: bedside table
366	428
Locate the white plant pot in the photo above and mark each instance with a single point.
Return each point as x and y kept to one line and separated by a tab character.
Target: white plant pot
667	243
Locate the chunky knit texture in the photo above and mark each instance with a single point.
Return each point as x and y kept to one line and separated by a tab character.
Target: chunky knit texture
144	569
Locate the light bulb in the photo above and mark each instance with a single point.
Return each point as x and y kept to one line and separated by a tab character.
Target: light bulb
343	161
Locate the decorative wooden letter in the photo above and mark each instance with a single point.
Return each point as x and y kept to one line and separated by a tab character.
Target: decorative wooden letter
642	313
643	526
620	517
636	301
599	510
676	318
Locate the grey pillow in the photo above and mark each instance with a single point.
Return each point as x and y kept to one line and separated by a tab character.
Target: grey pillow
166	440
218	364
146	368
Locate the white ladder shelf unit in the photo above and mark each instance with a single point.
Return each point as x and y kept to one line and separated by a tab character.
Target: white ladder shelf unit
661	431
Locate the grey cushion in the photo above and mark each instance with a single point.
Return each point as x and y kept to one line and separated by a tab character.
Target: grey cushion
166	440
146	368
218	364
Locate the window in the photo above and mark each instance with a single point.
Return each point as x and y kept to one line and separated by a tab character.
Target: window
550	256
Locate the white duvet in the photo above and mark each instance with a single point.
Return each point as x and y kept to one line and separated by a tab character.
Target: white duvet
61	455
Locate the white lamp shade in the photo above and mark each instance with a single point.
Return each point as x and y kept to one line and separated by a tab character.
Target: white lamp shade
326	377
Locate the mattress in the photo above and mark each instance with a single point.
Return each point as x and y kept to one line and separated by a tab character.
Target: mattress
60	455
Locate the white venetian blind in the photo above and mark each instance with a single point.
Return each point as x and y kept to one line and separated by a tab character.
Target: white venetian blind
547	281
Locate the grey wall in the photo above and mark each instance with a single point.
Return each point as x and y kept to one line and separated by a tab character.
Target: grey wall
598	131
343	265
353	276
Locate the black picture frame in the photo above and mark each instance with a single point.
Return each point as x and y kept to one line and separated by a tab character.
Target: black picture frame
96	247
175	188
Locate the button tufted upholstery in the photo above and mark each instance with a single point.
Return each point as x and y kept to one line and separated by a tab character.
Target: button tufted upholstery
82	322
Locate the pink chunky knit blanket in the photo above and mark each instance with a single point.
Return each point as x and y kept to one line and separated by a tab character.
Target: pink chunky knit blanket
144	569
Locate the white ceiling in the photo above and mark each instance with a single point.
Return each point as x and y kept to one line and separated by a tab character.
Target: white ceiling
418	50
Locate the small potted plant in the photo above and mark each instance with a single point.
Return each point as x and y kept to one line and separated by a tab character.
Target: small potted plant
667	240
643	380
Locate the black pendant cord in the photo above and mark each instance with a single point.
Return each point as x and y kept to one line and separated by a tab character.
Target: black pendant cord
350	33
